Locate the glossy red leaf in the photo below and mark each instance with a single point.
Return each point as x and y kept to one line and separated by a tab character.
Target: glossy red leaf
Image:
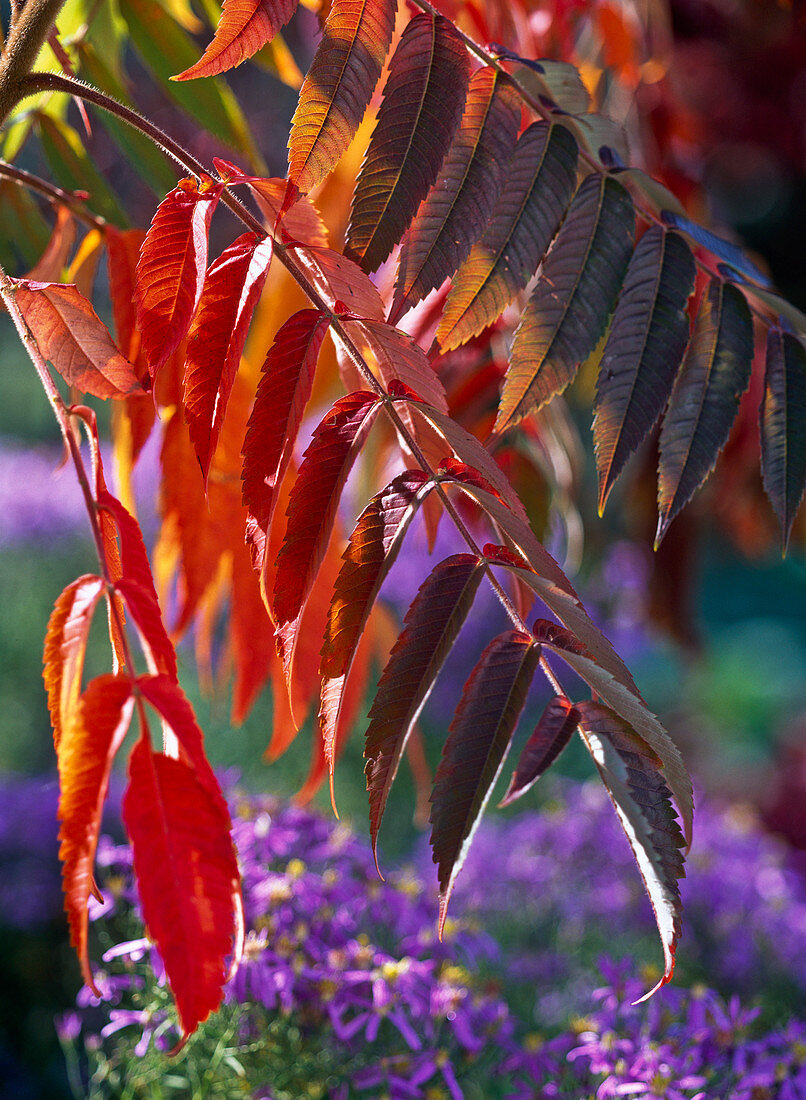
93	733
170	273
145	612
245	27
783	441
217	337
282	394
422	103
70	334
431	626
337	90
552	733
475	750
187	876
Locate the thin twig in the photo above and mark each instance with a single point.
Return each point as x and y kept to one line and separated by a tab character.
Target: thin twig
53	193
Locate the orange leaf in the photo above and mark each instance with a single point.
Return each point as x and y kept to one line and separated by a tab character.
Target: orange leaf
65	647
302	222
122	253
339	280
50	265
244	28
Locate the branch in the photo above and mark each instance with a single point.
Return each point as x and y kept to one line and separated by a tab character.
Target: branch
25	40
53	193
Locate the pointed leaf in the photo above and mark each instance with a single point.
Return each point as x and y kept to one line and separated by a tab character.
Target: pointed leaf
65	647
244	28
724	250
455	212
282	394
423	100
475	751
339	280
170	274
93	733
430	628
70	334
705	398
539	182
337	90
144	609
187	877
570	306
631	772
783	414
646	344
552	733
232	287
398	358
122	253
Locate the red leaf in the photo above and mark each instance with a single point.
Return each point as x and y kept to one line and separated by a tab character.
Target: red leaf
122	253
475	751
302	222
70	334
65	647
187	876
170	274
145	611
342	283
231	291
552	733
244	28
93	732
431	626
280	401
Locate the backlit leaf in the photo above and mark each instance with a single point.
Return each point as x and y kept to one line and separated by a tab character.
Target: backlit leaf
302	222
70	334
170	274
631	772
552	733
538	185
644	349
144	609
245	26
783	413
338	279
456	210
65	647
431	626
423	99
122	254
478	741
217	337
570	306
337	90
705	398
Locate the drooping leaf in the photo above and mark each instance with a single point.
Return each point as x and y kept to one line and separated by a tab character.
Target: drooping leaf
431	626
217	337
282	394
423	100
398	358
570	306
705	398
170	702
245	26
187	877
644	349
783	413
370	554
93	733
632	774
170	274
337	90
475	751
339	280
455	212
552	733
70	334
538	185
65	648
145	612
122	253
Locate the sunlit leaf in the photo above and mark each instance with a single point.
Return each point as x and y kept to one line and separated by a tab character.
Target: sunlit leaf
783	440
66	646
339	280
552	733
245	26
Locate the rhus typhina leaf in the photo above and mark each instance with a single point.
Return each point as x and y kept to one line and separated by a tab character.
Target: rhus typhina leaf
217	336
705	398
398	358
629	707
70	334
66	646
282	394
187	876
170	273
301	222
475	751
538	185
144	610
340	281
633	776
93	733
312	510
244	28
644	348
422	103
570	306
551	734
431	626
783	440
370	554
122	254
455	212
337	90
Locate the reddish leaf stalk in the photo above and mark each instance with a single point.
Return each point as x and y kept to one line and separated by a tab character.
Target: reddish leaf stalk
53	193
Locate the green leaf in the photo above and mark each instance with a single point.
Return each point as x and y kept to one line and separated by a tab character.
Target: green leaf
74	170
783	414
646	343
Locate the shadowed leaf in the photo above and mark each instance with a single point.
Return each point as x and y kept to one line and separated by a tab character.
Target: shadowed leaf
245	26
783	440
552	733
